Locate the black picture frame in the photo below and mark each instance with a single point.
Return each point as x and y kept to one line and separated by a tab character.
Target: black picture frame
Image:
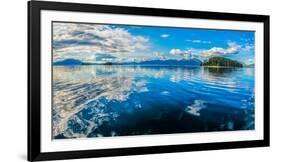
34	80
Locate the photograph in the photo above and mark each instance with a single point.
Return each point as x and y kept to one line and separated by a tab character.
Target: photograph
113	80
107	80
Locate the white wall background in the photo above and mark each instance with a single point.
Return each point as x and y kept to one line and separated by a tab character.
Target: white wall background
13	73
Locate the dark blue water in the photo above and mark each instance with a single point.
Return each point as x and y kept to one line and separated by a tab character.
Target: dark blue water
100	101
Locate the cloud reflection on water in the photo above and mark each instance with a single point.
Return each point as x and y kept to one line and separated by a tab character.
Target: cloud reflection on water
81	94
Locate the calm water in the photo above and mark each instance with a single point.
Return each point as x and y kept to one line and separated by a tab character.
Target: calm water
96	101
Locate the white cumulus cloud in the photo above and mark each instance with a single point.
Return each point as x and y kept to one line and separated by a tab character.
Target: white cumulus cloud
232	48
74	38
175	51
187	54
165	35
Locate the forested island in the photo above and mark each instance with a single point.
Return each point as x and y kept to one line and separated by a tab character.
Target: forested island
221	61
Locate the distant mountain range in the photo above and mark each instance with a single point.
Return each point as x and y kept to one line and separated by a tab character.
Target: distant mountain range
213	61
190	62
68	62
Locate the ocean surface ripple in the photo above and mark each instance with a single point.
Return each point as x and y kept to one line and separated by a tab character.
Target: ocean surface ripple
103	101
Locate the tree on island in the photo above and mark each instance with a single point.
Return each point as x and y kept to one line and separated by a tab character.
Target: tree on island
221	61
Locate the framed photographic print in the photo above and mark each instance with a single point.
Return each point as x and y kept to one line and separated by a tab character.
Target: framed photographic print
114	80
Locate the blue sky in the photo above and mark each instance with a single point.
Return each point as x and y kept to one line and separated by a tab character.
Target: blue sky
121	43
